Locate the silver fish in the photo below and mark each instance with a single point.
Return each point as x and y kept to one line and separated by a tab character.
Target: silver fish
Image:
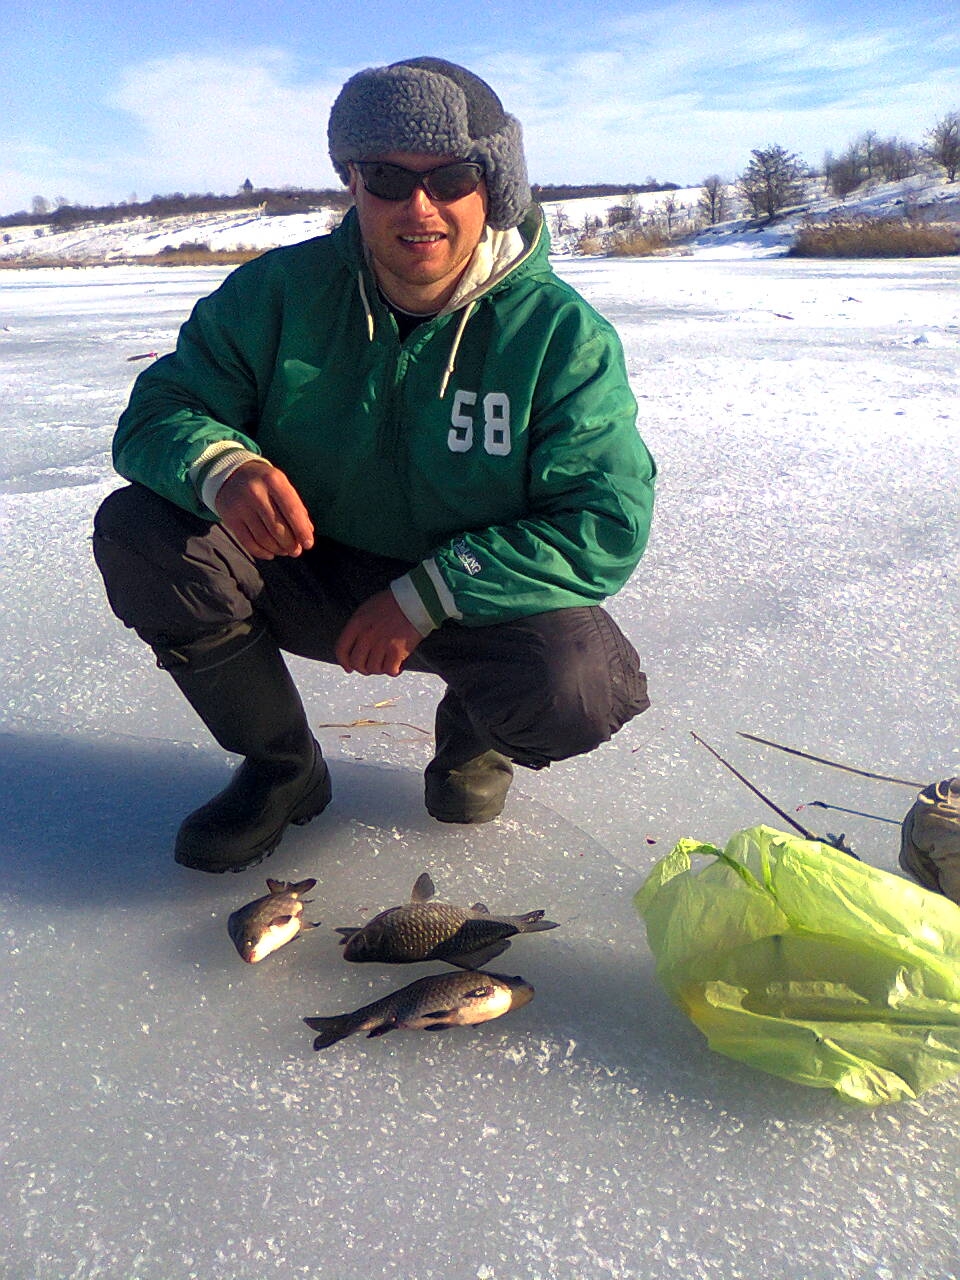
429	1004
424	930
265	925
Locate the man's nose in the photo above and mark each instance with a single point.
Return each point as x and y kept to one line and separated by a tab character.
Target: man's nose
420	203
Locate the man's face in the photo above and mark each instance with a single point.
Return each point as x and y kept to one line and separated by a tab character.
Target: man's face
419	246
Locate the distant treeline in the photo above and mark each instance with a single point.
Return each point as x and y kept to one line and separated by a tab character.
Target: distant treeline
554	191
266	200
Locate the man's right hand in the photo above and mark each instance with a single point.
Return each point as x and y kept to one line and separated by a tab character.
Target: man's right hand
264	512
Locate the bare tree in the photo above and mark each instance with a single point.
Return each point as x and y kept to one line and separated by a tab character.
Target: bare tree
771	181
870	156
943	144
620	215
714	202
897	159
672	210
561	222
866	147
40	205
843	173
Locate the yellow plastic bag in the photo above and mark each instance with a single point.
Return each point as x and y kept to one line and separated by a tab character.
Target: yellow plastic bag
793	957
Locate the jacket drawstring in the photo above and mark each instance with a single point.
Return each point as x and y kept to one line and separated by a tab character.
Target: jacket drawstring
452	358
457	337
366	305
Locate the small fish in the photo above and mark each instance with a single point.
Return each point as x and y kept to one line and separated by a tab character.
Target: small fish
270	922
429	1004
424	930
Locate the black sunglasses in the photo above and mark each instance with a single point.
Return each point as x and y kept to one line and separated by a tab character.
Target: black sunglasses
444	183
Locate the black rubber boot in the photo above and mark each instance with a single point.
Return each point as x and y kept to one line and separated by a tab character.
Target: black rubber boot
239	685
464	782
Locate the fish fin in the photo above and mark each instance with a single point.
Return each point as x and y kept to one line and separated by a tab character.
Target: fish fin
533	922
481	908
346	934
303	886
435	1015
382	1029
278	886
480	957
310	924
279	921
423	889
331	1029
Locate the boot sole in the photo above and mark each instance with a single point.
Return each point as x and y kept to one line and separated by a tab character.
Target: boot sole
465	817
305	810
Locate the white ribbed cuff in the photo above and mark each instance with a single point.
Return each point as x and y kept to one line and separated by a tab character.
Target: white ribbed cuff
424	597
214	467
411	606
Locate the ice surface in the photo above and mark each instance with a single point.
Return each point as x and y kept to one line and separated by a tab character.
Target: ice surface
164	1113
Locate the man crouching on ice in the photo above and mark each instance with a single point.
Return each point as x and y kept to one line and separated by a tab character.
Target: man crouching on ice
403	445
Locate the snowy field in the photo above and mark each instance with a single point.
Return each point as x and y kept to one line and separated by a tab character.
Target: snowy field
165	1117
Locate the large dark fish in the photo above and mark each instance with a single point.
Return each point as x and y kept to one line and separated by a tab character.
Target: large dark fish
429	1004
424	930
270	922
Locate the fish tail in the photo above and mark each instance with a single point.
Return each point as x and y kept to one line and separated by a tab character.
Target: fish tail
533	922
331	1029
376	1018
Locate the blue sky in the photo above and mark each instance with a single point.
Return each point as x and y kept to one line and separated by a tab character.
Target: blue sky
110	99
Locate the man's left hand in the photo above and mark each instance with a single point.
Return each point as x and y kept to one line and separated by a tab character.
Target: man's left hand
378	639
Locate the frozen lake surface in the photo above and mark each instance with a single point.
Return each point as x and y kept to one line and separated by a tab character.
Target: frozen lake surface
164	1113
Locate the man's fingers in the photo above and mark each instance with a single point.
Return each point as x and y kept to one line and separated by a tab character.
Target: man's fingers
292	523
264	512
273	534
377	639
253	541
364	656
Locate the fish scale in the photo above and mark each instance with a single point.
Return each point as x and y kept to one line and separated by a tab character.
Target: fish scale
437	930
429	1004
423	930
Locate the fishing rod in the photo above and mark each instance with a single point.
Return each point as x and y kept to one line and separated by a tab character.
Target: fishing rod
857	813
834	842
863	773
808	835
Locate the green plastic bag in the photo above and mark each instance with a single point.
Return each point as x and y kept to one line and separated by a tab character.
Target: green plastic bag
794	957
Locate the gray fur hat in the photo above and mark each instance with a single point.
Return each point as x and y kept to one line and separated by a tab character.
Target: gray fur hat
433	107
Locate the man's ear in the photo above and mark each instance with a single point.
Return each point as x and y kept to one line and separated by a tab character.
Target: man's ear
354	179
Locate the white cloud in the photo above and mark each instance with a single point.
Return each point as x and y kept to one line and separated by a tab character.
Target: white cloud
208	122
688	89
677	92
39	169
197	123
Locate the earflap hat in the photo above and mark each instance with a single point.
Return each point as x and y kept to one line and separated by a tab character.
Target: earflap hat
433	107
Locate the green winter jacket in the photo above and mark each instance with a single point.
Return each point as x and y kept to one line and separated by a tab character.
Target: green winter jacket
495	450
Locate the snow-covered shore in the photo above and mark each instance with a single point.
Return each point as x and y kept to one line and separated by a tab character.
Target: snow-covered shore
926	196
